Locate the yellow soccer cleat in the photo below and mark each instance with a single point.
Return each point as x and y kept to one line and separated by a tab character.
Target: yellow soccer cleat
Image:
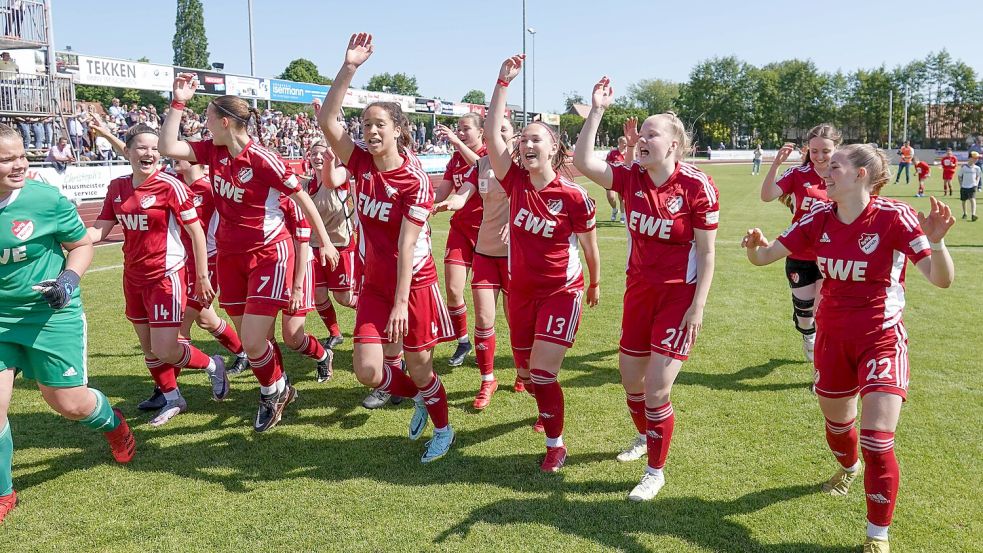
839	484
872	545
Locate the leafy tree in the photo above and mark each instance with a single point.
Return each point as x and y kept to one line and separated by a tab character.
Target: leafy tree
653	95
302	70
190	42
718	99
571	98
474	97
398	83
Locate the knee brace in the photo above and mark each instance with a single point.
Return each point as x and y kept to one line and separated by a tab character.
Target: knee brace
803	308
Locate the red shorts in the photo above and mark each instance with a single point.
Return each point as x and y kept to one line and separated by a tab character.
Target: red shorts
552	318
490	272
429	321
460	248
342	278
256	282
358	264
307	303
651	317
948	176
159	304
194	302
848	364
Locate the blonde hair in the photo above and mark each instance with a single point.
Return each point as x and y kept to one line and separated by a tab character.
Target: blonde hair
873	159
679	133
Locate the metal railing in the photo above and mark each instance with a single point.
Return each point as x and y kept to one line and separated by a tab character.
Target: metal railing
24	20
22	94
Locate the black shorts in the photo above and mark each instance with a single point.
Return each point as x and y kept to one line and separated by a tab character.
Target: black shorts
967	193
801	273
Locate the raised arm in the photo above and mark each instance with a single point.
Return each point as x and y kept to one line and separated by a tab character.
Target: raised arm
938	267
170	143
583	155
333	174
359	49
466	153
499	155
760	251
769	190
99	127
631	135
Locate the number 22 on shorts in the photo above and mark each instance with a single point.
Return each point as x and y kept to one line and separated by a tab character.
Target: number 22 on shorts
877	373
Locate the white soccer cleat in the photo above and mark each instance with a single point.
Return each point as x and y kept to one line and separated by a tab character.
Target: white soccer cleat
170	410
648	488
809	346
637	449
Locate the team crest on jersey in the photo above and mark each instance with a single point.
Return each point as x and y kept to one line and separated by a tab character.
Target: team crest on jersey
147	201
245	174
869	242
22	229
640	194
554	206
198	199
675	204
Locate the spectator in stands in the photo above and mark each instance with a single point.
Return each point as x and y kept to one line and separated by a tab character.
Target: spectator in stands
60	155
77	129
8	65
14	19
8	80
116	112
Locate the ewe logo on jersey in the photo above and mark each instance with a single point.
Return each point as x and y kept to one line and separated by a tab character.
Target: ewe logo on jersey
525	220
674	204
227	190
147	201
22	229
245	174
373	208
869	242
13	255
842	269
649	225
133	221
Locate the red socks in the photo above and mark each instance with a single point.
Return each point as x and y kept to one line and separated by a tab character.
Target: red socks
329	316
636	407
484	345
267	367
842	440
549	398
396	382
881	475
659	424
435	399
459	318
164	375
226	335
310	347
192	358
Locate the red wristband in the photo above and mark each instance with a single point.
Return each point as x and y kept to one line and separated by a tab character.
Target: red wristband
177	105
503	83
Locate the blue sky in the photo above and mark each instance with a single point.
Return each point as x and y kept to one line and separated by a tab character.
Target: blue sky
452	47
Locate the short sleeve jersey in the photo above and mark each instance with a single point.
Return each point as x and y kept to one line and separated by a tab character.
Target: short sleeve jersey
863	263
247	191
293	218
495	211
949	165
152	216
34	221
468	218
662	220
544	254
383	199
615	156
922	169
201	194
804	186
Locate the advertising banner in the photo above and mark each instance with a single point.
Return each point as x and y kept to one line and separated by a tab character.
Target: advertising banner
248	87
301	93
80	182
209	82
357	98
124	74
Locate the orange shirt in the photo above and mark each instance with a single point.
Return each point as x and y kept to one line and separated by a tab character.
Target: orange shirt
906	154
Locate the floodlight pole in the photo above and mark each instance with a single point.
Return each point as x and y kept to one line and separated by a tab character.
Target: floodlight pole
252	49
890	118
525	114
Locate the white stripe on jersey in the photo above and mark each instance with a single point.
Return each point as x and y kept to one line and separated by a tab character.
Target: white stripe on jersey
174	252
695	173
580	189
180	189
905	213
272	159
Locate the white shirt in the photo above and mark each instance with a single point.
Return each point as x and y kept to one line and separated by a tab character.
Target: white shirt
969	176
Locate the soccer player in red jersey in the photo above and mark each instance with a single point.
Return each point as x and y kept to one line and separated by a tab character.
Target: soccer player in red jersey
672	211
617	155
922	170
463	234
798	188
152	206
399	307
862	243
549	216
491	274
950	164
255	251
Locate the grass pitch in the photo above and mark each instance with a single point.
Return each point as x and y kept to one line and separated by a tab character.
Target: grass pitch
747	457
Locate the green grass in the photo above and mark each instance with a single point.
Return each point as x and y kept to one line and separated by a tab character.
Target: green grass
747	458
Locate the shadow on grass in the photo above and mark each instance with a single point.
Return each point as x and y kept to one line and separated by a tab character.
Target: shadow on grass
615	524
739	381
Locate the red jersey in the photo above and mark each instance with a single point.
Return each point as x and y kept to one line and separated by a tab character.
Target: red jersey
383	199
247	191
922	169
804	185
544	254
615	156
151	216
863	263
662	220
949	166
201	191
294	220
468	218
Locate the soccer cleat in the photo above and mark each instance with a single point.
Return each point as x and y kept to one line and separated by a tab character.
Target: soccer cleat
220	379
439	445
240	364
648	488
155	402
7	504
964	215
170	410
121	441
809	346
485	392
418	422
872	545
333	341
974	218
839	483
324	369
518	387
635	451
538	425
376	399
462	351
555	457
271	408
